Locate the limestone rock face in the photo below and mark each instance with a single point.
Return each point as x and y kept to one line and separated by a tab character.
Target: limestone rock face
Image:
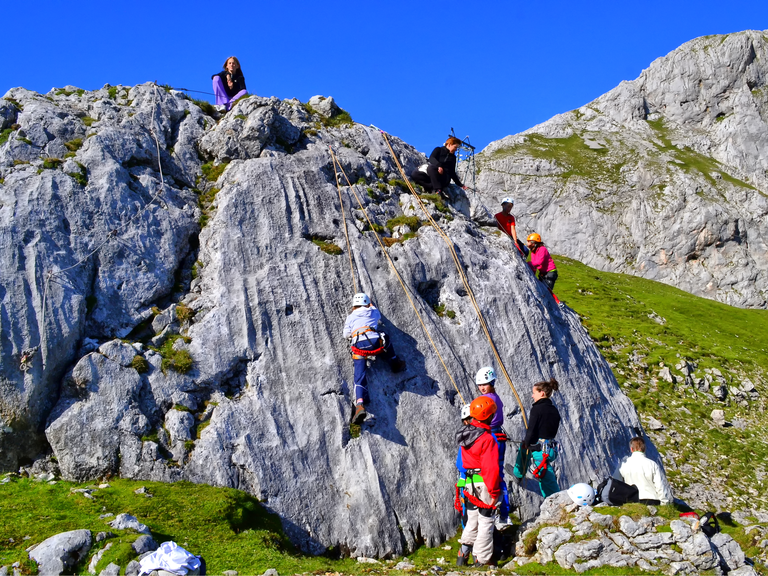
250	382
663	177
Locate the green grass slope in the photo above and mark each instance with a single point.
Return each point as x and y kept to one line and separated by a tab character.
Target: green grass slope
642	326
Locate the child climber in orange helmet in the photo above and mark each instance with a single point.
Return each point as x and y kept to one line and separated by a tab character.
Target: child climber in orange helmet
480	456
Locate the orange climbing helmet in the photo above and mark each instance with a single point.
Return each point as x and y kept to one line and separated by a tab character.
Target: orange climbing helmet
482	408
534	237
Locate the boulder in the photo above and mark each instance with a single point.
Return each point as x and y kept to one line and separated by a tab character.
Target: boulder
62	552
730	552
127	522
144	544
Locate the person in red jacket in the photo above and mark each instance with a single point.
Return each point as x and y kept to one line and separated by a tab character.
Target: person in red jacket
506	222
480	457
541	261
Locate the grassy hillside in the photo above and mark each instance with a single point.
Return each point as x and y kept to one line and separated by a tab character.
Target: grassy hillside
643	326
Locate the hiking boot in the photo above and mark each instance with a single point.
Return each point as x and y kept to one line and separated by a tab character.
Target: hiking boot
463	558
359	415
397	365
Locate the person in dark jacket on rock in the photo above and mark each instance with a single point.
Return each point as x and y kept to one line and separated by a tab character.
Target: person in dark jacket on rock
479	453
229	84
441	168
539	441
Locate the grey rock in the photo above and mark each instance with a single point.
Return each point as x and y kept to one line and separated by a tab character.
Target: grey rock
103	536
568	554
144	544
720	391
264	286
60	553
549	539
654	424
126	521
680	531
666	375
324	105
233	572
404	566
268	572
133	568
718	417
111	570
603	520
630	527
583	528
700	552
118	352
730	551
3	570
676	568
706	99
653	540
743	571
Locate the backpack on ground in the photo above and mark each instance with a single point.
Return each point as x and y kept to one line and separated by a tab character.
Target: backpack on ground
709	524
615	492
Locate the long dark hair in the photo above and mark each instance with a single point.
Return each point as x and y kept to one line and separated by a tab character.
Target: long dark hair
547	387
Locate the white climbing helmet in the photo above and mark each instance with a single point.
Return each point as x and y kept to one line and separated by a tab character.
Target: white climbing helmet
465	412
485	375
508	199
360	299
582	494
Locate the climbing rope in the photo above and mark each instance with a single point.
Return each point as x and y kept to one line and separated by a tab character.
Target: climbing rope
110	235
344	221
392	265
463	277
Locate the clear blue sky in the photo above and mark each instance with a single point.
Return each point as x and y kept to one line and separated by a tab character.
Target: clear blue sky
415	69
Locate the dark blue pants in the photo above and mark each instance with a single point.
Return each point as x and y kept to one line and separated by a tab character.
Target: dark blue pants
361	366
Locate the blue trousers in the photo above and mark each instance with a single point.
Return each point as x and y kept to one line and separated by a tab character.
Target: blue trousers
548	482
361	366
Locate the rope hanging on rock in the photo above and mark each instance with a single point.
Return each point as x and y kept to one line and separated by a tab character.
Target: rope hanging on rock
110	235
344	221
462	275
392	265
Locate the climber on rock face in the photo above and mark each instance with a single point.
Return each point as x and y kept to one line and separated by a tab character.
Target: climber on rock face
441	168
362	329
486	383
644	473
506	221
539	446
229	84
461	501
480	456
541	261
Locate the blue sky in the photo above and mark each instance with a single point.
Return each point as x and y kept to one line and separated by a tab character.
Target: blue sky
415	69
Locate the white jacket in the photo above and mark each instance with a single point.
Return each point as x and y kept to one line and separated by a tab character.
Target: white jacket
359	318
647	476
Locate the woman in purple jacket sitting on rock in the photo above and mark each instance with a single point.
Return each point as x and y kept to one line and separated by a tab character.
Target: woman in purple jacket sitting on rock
229	84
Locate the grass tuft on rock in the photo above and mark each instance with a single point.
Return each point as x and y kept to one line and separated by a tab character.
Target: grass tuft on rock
212	171
140	364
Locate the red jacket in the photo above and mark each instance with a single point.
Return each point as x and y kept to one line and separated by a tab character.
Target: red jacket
483	453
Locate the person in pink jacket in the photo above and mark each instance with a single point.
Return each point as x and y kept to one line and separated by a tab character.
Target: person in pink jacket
541	261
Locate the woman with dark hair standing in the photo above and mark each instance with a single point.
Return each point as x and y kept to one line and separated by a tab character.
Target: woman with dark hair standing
441	169
539	446
229	84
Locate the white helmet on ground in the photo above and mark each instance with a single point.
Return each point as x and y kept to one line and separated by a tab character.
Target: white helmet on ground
485	375
360	299
465	412
582	494
508	200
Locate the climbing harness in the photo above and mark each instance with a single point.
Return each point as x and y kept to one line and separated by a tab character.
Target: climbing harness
462	275
365	353
389	260
26	359
473	475
110	235
546	447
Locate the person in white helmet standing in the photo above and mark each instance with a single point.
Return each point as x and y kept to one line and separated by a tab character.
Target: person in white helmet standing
486	383
362	329
506	221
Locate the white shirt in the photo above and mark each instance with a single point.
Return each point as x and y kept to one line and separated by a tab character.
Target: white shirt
647	476
360	318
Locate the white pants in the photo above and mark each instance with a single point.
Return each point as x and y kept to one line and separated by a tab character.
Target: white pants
478	531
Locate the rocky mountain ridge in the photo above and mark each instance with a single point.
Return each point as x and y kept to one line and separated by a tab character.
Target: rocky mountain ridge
188	327
664	177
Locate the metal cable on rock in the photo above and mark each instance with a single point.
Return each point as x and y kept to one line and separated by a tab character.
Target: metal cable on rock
344	221
110	235
399	278
463	277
